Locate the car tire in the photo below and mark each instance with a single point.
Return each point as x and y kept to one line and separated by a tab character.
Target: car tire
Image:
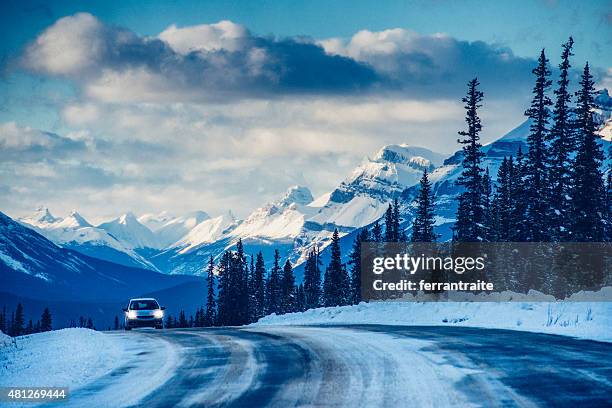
159	327
128	328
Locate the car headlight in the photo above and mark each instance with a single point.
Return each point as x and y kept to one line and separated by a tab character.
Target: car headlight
158	314
131	314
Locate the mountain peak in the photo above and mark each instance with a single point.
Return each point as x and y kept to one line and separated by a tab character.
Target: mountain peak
406	154
43	215
296	194
128	217
77	220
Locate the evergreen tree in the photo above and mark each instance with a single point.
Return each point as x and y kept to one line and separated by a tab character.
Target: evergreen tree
389	225
355	263
46	321
300	301
18	321
588	209
29	329
312	280
223	292
287	289
209	317
259	287
336	286
116	323
561	146
273	286
536	170
423	224
377	232
470	225
90	324
502	205
241	294
397	233
519	225
487	192
182	322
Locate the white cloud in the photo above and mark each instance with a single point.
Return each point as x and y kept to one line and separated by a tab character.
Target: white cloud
13	136
71	45
205	37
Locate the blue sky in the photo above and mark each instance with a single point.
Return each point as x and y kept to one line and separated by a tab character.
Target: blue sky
133	103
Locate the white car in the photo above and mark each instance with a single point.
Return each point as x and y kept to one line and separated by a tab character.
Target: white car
144	312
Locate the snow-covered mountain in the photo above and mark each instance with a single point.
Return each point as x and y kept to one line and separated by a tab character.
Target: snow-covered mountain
77	233
295	222
364	196
32	266
169	229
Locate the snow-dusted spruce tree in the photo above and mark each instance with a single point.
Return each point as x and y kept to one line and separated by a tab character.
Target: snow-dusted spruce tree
487	192
312	280
536	170
300	299
46	321
469	226
259	287
211	308
355	263
377	235
336	285
287	289
561	143
273	286
518	220
223	303
389	230
17	321
588	210
423	224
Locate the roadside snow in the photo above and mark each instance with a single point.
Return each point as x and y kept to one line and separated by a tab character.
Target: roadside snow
586	320
61	358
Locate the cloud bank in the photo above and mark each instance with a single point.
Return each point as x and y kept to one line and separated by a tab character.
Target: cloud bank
224	61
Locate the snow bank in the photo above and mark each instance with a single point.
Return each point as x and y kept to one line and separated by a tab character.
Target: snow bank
61	358
587	320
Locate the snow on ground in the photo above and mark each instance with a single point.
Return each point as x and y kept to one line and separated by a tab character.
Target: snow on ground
587	320
77	358
61	358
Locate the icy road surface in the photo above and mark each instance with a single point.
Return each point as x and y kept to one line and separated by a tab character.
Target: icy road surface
353	366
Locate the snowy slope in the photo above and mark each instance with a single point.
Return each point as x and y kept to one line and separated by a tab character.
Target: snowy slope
130	232
77	233
31	266
169	229
588	320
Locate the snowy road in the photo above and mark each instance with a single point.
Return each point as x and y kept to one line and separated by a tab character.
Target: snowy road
354	366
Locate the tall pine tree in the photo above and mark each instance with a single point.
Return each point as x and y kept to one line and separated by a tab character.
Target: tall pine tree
273	286
561	143
588	209
312	280
287	289
336	285
355	263
259	287
423	224
470	224
211	309
536	169
46	321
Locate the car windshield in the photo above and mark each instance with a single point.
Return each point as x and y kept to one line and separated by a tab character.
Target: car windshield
144	304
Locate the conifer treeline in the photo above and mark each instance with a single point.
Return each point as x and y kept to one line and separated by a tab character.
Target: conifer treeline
557	191
241	291
15	325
